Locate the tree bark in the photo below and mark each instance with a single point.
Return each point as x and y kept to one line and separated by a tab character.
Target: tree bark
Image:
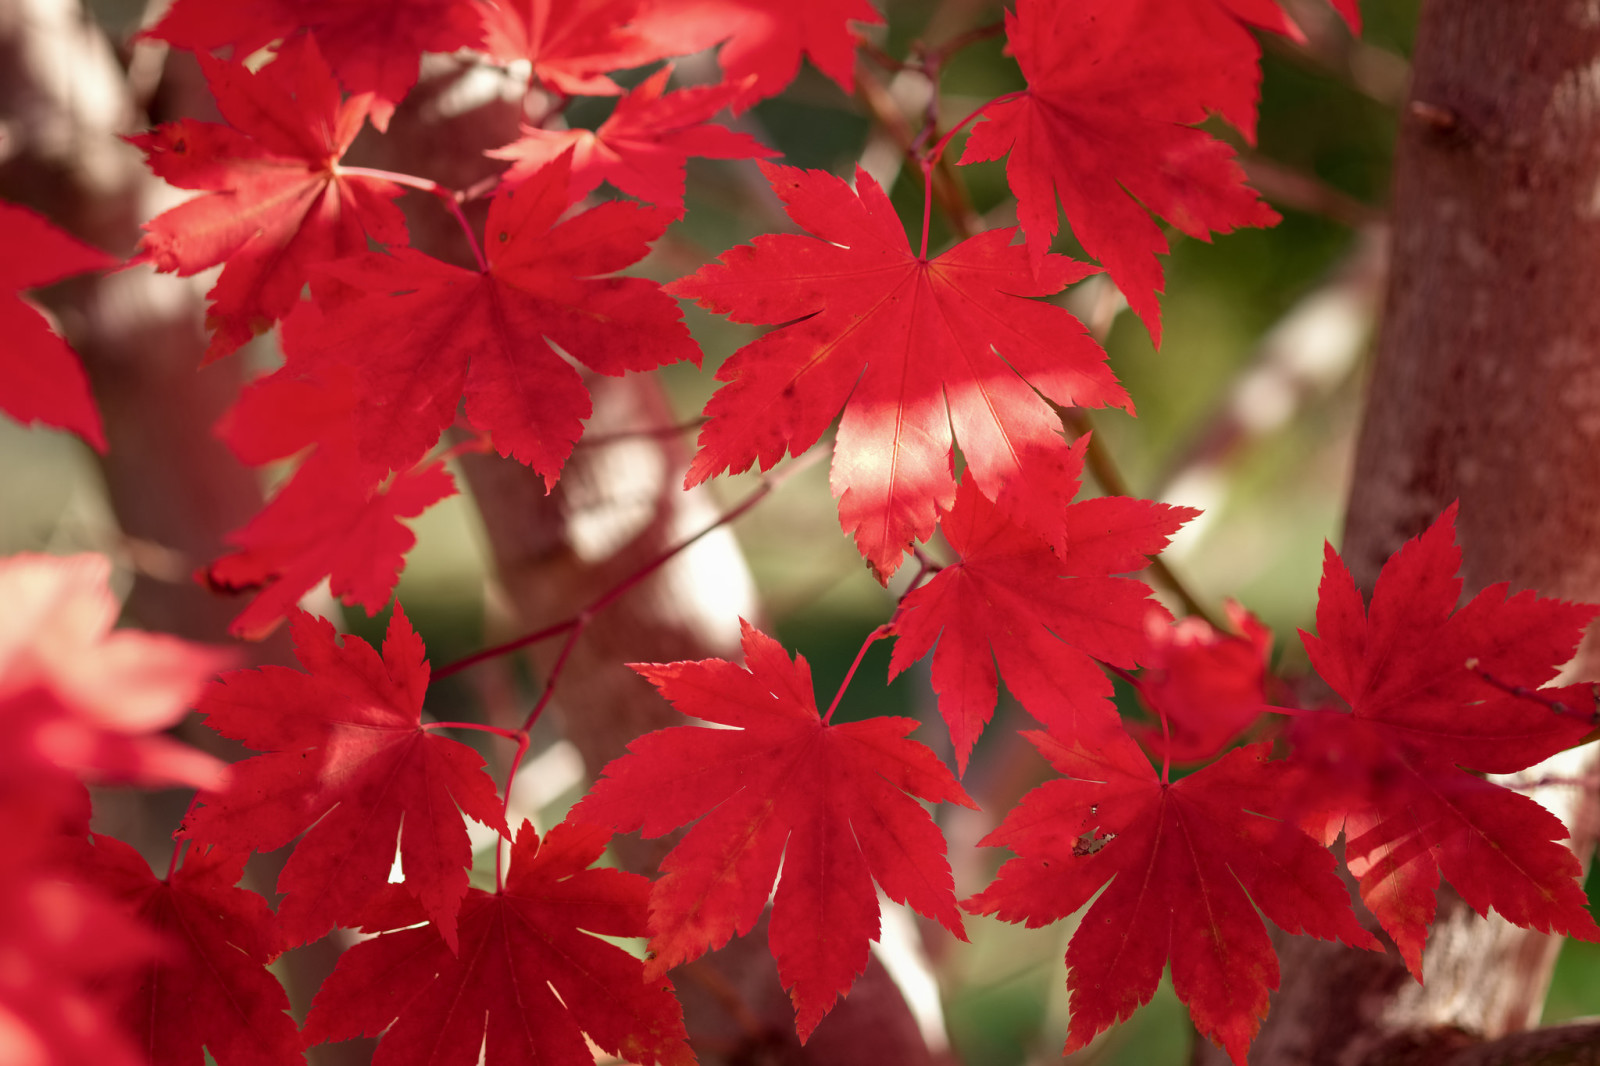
1486	389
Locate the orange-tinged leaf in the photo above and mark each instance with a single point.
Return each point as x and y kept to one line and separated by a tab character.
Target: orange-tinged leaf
832	803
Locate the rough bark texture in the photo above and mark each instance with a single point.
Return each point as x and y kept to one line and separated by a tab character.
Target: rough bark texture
1486	388
616	507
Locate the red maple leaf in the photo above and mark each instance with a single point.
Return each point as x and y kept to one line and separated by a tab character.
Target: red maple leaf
350	765
65	946
764	38
1043	616
1185	866
910	348
423	333
642	146
521	948
277	203
77	697
1393	772
1221	33
1206	685
374	46
829	801
571	43
210	990
41	379
335	520
1106	126
299	406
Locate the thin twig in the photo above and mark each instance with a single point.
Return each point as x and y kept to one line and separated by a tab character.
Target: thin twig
769	482
1107	473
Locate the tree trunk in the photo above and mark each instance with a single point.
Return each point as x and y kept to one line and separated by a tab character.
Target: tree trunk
1486	389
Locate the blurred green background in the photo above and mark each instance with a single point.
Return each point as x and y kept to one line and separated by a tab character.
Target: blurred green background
1249	411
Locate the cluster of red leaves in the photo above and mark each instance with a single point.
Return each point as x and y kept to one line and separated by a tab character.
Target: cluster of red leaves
917	354
78	702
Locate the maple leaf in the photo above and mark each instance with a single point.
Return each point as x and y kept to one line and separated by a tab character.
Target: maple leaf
571	43
374	46
1045	617
521	948
277	203
1185	866
303	404
829	801
763	38
1207	685
423	333
1393	772
78	697
41	379
1219	41
211	989
910	348
349	764
333	520
642	146
65	943
1105	125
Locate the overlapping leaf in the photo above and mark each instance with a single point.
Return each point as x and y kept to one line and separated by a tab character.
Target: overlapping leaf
210	990
80	698
349	765
1043	616
832	803
910	349
521	949
572	44
764	39
422	334
374	46
65	946
1393	772
1205	685
642	146
276	204
1105	125
1184	869
41	379
333	520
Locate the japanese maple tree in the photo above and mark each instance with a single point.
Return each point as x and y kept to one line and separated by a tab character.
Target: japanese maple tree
1195	797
